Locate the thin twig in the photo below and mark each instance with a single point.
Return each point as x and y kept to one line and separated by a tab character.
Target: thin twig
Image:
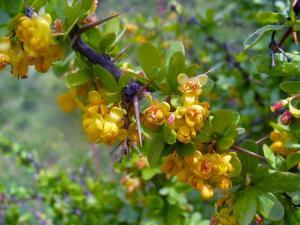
120	53
260	141
246	151
96	23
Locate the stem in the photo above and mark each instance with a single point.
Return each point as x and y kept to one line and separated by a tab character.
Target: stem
239	149
260	141
92	55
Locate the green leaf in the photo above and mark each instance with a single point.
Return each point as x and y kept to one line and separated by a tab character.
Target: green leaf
176	66
12	7
292	215
149	58
292	160
113	26
78	10
185	149
38	4
258	35
169	135
270	207
223	119
276	162
106	78
295	196
176	101
4	17
106	41
93	38
290	87
175	47
279	182
148	173
225	142
249	163
77	79
58	10
236	164
245	207
153	147
205	135
270	17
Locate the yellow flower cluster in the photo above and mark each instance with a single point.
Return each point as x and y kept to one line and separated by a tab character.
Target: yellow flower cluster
34	45
187	119
224	213
103	124
203	172
130	184
280	139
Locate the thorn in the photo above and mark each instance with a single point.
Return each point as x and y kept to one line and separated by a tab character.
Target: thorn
295	36
120	53
96	23
115	148
74	39
286	56
213	69
273	64
141	91
138	150
124	150
137	117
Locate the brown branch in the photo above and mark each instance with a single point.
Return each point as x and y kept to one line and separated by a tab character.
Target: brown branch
246	151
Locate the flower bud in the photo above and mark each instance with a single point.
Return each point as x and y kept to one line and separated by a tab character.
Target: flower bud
286	117
207	192
279	105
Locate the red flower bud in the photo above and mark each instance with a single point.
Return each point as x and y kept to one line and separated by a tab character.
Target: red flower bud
286	117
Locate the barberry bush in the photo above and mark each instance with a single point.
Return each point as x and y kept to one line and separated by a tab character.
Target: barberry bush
200	116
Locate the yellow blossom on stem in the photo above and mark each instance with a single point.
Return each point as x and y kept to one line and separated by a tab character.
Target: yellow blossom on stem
67	101
156	114
279	139
192	85
4	52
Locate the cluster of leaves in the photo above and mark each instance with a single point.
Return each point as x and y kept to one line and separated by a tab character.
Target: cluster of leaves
80	197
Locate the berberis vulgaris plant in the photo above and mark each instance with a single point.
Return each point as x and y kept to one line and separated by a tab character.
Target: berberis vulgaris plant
156	117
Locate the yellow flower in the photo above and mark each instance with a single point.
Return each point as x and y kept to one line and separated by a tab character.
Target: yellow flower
224	183
192	85
35	33
38	47
279	139
93	128
4	52
131	28
156	114
67	102
111	133
19	61
131	184
225	217
171	165
206	192
103	124
185	133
